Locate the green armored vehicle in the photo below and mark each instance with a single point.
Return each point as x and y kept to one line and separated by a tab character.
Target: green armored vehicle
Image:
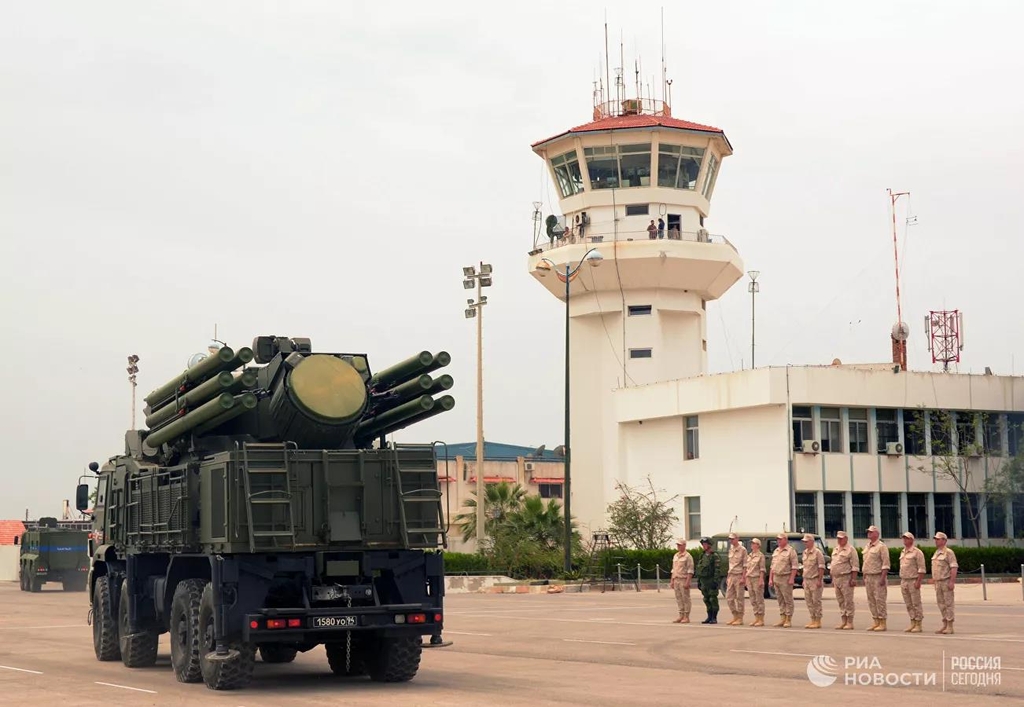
52	554
768	545
264	511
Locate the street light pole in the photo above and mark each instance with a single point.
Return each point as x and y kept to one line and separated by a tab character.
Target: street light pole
133	369
753	288
594	257
475	309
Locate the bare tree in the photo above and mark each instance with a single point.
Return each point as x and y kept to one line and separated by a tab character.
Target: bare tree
640	520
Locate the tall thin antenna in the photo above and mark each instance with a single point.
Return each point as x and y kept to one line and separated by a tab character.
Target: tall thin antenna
900	330
607	73
664	75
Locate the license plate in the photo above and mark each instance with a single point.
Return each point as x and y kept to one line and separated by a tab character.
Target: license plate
334	621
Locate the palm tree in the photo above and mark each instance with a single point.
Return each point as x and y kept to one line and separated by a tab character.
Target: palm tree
539	521
500	501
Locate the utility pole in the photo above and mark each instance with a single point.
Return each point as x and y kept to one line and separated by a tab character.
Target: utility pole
133	369
753	288
475	309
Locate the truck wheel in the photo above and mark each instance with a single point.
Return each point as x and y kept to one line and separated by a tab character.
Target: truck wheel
185	636
138	650
336	659
277	653
104	626
22	577
395	659
229	674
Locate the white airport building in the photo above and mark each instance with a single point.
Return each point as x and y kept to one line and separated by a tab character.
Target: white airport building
812	448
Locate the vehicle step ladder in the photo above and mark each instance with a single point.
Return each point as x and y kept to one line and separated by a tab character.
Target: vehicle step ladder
265	469
419	494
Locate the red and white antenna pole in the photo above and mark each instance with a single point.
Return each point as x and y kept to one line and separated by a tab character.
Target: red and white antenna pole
899	339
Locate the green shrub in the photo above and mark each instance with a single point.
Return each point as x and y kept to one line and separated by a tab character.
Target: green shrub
465	562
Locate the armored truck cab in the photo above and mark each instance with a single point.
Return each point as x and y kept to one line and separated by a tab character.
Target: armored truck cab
265	512
53	554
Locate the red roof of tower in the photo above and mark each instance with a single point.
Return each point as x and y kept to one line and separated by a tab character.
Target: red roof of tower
626	122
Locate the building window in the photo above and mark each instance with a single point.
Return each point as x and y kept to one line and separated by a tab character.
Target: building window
940	428
709	178
549	490
693	517
619	166
831	430
863	515
944	514
639	353
567	173
636	310
692	438
679	166
889	510
913	433
970	513
886	428
917	514
995	509
992	434
1017	513
803	426
835	513
638	209
966	434
1015	434
858	431
806	513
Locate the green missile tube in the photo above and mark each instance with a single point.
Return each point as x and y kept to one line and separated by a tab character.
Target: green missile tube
403	371
445	382
243	403
438	360
185	423
223	382
411	389
442	404
226	359
395	414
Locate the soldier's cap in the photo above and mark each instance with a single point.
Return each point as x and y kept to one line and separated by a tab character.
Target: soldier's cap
755	541
872	529
680	541
841	534
940	535
808	538
781	536
705	540
908	534
733	536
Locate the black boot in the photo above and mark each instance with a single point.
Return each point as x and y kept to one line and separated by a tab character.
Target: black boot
709	619
714	617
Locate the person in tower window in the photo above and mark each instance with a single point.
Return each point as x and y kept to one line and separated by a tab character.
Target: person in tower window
661	228
652	230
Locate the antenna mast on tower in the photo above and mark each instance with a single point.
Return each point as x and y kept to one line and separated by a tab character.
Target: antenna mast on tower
900	330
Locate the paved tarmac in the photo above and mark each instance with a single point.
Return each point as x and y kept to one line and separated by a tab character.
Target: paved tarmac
616	648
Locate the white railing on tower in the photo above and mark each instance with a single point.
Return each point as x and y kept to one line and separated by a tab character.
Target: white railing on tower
592	235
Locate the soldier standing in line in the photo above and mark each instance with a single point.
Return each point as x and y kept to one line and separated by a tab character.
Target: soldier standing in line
944	567
708	575
912	571
782	577
814	578
876	578
682	572
753	580
845	565
734	580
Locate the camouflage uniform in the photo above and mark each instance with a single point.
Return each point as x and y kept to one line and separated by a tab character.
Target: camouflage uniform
708	575
755	580
944	568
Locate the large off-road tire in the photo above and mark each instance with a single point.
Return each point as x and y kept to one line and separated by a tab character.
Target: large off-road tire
137	650
395	659
22	577
336	658
222	674
277	653
104	623
186	640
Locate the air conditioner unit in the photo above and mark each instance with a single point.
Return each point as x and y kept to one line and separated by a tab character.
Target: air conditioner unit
811	446
528	466
894	448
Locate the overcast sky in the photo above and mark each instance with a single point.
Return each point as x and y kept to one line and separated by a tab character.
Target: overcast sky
325	169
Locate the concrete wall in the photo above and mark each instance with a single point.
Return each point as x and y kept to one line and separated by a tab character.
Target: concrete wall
9	563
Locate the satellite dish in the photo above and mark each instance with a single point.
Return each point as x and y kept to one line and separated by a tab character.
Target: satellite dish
836	362
900	331
559	451
539	451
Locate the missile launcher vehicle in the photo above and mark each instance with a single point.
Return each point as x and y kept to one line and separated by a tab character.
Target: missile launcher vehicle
264	511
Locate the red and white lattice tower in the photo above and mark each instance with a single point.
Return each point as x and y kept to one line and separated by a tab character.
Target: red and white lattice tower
945	336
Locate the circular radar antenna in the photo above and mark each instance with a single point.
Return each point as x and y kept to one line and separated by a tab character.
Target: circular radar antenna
900	331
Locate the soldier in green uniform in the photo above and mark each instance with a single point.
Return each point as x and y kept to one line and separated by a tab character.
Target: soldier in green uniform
709	575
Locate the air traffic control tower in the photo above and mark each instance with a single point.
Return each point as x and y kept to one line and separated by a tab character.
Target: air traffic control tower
640	317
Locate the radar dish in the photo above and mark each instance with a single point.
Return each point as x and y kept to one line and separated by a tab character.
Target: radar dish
900	331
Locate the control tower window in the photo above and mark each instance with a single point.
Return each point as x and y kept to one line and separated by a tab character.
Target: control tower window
679	166
619	166
709	178
567	173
